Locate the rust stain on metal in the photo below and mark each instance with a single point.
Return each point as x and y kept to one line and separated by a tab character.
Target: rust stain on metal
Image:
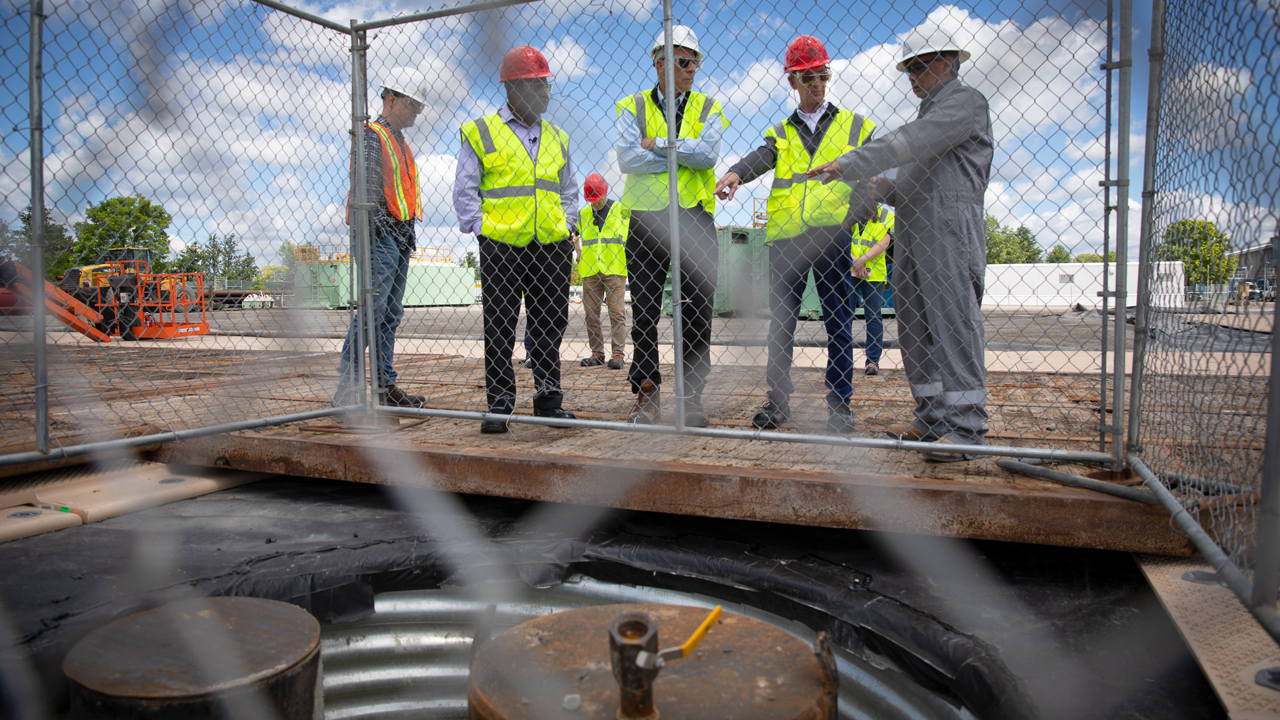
1044	515
744	669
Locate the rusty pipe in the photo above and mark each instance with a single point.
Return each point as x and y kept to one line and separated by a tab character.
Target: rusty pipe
629	634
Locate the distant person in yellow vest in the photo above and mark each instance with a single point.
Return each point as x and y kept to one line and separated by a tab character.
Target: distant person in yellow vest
870	242
806	231
515	190
392	188
642	154
602	266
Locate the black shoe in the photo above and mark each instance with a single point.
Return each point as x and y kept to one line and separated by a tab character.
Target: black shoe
772	415
694	414
557	413
528	363
399	398
593	361
840	420
614	363
493	427
872	368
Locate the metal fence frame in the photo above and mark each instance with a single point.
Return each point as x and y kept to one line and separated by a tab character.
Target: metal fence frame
1259	596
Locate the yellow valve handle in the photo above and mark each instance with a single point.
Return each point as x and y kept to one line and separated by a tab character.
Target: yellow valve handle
700	633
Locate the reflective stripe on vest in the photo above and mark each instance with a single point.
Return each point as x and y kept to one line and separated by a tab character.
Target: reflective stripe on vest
399	175
872	233
519	197
797	203
604	249
650	191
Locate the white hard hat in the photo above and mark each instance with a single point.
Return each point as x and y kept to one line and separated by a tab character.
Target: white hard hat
928	40
681	36
406	81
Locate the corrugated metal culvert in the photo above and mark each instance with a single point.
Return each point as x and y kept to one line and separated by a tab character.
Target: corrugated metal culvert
410	659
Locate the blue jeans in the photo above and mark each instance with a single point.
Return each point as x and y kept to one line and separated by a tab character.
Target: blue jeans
390	270
871	295
826	252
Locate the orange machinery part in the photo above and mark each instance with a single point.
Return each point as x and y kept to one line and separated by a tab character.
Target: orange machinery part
71	312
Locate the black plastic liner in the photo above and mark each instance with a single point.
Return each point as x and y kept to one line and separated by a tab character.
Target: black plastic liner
329	547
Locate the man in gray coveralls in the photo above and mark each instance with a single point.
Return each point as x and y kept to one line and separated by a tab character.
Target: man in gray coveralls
944	162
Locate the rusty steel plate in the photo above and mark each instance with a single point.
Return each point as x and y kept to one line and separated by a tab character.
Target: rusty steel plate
743	668
193	648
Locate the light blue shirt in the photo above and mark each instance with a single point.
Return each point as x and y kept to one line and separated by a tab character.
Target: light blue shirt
700	153
466	181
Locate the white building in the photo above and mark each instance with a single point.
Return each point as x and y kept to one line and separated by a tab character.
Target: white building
1063	285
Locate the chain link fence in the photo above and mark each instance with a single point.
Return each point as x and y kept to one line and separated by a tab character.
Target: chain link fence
1204	389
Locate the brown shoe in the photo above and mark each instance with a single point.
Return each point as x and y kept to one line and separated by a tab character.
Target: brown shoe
648	407
908	431
946	457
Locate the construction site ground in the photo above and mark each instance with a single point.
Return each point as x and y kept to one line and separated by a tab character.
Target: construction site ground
1043	383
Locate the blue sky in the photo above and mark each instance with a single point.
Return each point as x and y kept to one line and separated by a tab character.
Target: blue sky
235	117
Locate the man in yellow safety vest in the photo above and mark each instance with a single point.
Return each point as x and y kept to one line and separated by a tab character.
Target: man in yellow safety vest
870	243
514	189
391	180
602	266
806	231
643	151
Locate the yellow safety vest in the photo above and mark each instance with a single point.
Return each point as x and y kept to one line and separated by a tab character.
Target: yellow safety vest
650	190
604	250
797	203
519	202
872	233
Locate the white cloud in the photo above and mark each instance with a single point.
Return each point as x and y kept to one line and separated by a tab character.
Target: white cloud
761	85
567	59
1208	100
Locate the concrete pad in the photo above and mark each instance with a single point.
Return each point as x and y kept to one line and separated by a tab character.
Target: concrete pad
27	520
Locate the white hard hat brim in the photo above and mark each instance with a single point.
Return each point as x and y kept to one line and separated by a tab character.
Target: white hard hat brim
904	62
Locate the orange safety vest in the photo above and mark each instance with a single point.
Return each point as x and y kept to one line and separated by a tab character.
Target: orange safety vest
399	176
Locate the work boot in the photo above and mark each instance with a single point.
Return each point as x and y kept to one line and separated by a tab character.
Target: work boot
648	405
528	363
840	420
345	396
593	361
694	414
772	415
871	368
946	457
399	398
557	413
615	363
908	431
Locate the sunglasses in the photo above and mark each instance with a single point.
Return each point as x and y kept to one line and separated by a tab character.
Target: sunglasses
920	66
808	78
413	104
685	63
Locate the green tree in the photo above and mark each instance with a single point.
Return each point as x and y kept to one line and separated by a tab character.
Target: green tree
216	257
119	222
1006	246
1095	257
1202	248
275	273
471	261
15	242
1059	254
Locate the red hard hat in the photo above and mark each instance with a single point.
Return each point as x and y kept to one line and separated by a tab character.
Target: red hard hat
523	62
595	187
805	53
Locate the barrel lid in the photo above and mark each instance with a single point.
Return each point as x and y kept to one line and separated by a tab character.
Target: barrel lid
558	666
193	647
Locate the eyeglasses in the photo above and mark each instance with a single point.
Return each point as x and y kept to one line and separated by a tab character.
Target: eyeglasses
808	78
920	66
532	85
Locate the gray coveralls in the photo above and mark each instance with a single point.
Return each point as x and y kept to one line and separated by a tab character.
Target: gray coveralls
944	161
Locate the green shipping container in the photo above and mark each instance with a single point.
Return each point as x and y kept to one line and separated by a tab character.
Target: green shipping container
742	288
328	285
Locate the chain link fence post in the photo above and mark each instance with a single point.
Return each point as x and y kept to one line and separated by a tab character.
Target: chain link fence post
366	330
1266	563
36	118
